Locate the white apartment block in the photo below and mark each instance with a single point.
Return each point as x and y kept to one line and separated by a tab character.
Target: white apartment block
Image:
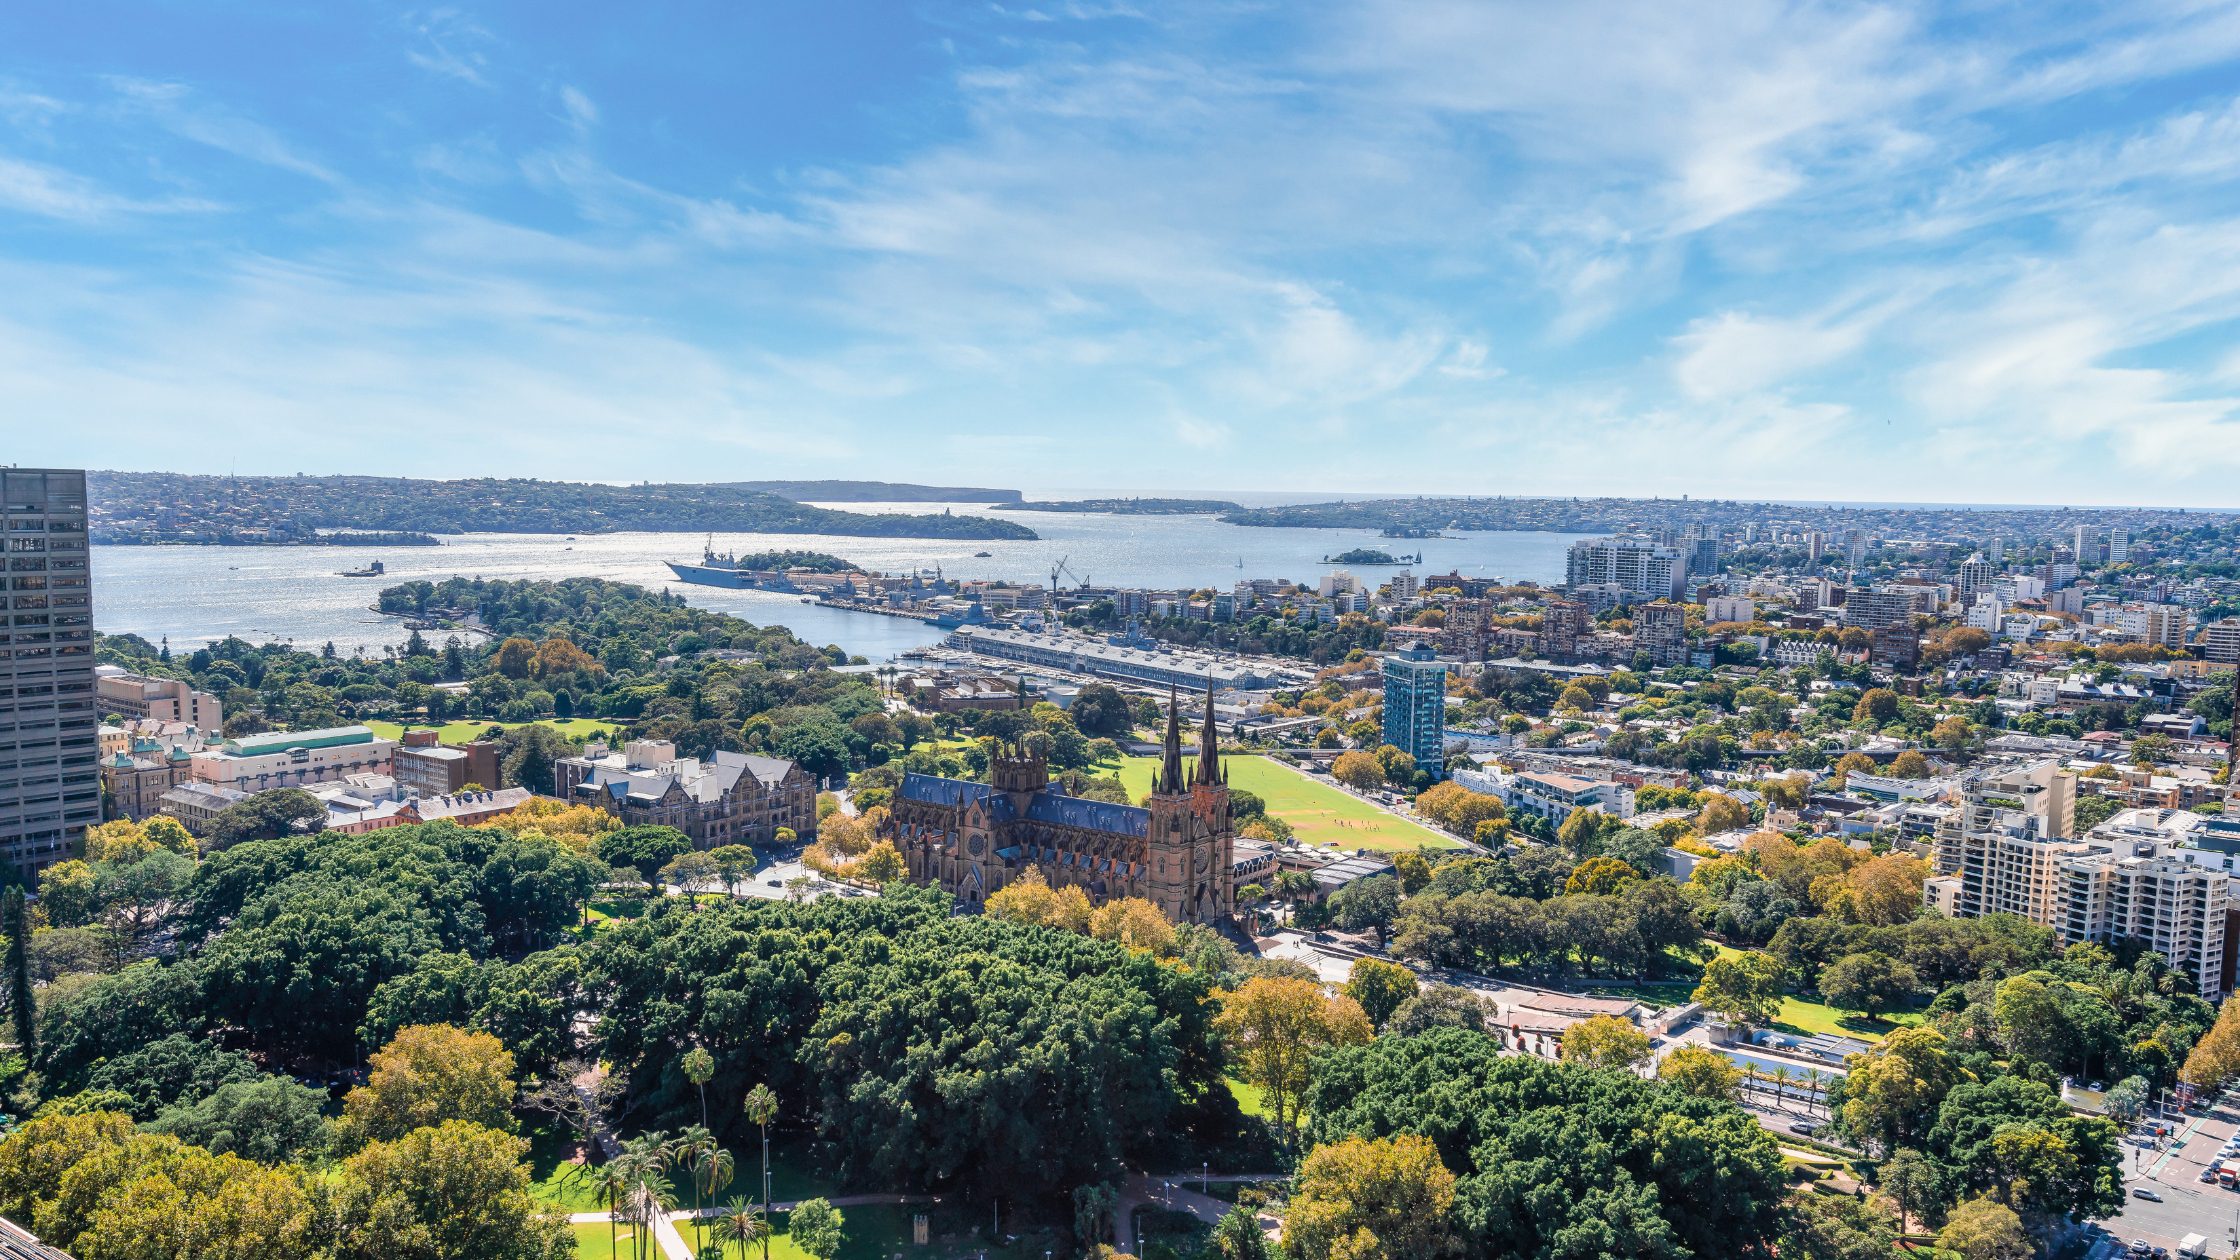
1729	608
2005	848
1642	568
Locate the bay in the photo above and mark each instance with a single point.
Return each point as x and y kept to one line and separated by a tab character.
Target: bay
194	595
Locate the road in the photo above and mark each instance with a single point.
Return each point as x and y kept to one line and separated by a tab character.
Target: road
2188	1206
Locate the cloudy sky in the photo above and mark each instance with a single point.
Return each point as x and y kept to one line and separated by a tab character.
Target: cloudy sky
1983	251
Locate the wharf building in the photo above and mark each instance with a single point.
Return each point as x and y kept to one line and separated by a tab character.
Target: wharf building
50	782
1177	851
730	798
1146	662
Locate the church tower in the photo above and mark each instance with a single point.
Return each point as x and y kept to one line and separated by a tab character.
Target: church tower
1167	835
1190	848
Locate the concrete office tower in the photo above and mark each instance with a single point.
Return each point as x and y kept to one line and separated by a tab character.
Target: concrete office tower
50	773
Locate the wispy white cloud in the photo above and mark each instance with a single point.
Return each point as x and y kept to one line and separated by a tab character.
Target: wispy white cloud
176	108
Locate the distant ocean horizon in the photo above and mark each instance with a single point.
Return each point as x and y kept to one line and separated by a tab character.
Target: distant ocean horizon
1284	498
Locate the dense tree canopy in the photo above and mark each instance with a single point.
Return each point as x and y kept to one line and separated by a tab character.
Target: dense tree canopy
1672	1173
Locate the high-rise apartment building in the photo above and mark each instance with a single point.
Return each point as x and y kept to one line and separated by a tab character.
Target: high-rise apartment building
1640	567
1415	707
1977	575
1855	549
2220	640
50	776
2119	545
2003	841
1872	608
1661	630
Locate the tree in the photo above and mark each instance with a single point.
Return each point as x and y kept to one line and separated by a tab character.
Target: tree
1701	1071
22	1008
265	816
1869	983
1915	1183
1893	1090
1366	903
271	1120
1877	707
1721	813
645	849
66	893
743	1223
1135	923
1850	764
1832	1227
1237	1236
1358	770
456	1190
1380	987
1382	1199
882	864
699	1067
1887	889
1030	899
1744	989
429	1074
1983	1229
2215	1059
762	1107
1909	764
1600	876
1553	1159
1273	1027
1438	1006
1605	1041
816	1227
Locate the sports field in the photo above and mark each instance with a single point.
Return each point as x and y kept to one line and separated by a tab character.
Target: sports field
1318	812
467	732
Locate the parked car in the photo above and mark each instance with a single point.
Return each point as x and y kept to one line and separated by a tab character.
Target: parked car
2141	1192
2209	1174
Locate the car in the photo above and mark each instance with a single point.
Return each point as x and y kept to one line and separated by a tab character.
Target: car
2099	1087
1804	1128
2209	1173
2141	1192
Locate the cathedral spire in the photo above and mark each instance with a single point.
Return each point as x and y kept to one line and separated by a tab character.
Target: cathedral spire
1170	771
1209	745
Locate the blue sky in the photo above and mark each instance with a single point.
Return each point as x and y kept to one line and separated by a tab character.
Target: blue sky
1975	252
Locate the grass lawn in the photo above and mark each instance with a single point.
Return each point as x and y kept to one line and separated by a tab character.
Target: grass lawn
1251	1099
557	1180
468	732
1799	1016
1317	812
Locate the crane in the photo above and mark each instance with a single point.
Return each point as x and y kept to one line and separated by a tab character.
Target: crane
1062	569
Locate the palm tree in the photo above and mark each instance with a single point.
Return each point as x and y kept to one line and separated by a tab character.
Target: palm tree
1780	1084
700	1067
710	1164
612	1181
652	1198
743	1223
762	1108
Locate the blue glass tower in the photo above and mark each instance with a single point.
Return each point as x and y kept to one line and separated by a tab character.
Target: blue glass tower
1415	707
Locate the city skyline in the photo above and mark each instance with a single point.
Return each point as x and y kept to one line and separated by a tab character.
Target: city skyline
1807	253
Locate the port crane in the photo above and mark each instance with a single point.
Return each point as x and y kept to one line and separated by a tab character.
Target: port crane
1062	569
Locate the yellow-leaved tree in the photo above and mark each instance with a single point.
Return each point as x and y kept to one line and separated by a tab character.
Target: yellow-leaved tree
1273	1025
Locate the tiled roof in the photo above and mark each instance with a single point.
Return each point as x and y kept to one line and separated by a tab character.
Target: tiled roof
18	1243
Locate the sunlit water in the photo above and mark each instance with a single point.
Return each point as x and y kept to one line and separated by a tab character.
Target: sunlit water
297	594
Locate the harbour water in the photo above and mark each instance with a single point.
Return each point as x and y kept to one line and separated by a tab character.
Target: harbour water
297	594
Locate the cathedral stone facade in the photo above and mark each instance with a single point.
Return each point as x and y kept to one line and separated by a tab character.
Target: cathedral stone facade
1177	851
